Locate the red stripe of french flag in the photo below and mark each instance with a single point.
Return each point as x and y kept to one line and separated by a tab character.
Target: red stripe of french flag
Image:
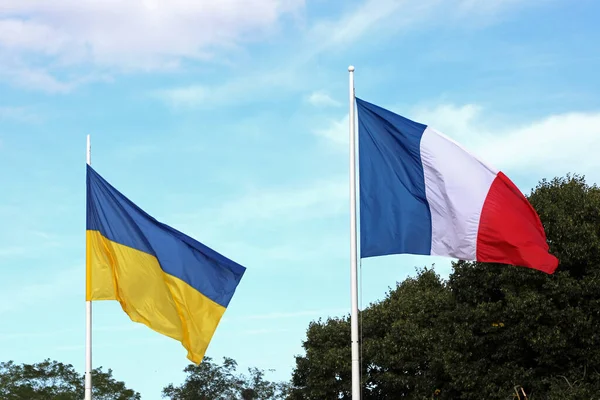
510	230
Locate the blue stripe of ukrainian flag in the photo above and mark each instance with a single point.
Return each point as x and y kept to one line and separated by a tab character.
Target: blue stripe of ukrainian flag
162	278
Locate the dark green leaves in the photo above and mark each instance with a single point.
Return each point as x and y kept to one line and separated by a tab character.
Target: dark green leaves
211	381
52	380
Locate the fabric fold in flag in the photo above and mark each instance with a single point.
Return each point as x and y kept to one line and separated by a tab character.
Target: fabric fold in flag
422	193
161	277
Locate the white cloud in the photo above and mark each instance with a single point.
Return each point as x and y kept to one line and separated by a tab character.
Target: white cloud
323	35
41	42
301	206
345	30
337	133
137	33
11	251
322	99
15	69
389	17
371	18
20	114
156	338
32	244
188	96
323	198
33	335
555	145
200	96
39	38
261	332
295	249
455	120
320	199
16	295
245	87
490	10
34	78
65	332
295	314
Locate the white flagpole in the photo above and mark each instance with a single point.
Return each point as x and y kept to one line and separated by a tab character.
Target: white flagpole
353	251
88	318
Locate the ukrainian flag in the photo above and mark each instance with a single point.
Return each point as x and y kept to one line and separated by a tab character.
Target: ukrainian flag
162	278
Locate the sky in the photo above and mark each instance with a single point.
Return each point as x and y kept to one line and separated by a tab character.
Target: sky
229	122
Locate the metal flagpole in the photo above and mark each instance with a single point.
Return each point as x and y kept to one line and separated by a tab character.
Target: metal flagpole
88	317
353	251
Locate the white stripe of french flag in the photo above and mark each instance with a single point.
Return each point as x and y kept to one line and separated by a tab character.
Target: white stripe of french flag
477	212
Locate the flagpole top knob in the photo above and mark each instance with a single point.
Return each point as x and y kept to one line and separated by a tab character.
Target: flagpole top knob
351	68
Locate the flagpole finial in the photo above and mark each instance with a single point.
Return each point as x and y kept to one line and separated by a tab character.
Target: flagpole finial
351	68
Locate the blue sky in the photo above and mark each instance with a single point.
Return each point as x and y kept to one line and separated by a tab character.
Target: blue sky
229	122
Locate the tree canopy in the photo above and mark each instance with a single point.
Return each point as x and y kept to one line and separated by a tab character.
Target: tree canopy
487	332
211	381
53	380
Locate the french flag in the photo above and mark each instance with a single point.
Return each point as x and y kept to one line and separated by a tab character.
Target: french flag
422	193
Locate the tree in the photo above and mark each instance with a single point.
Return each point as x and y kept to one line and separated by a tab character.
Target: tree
54	380
401	337
489	332
525	328
210	381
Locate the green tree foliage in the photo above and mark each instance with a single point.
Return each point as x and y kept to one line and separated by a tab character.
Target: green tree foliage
211	381
52	380
488	332
401	339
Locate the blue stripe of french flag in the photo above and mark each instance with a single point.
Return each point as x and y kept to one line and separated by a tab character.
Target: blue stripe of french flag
423	193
